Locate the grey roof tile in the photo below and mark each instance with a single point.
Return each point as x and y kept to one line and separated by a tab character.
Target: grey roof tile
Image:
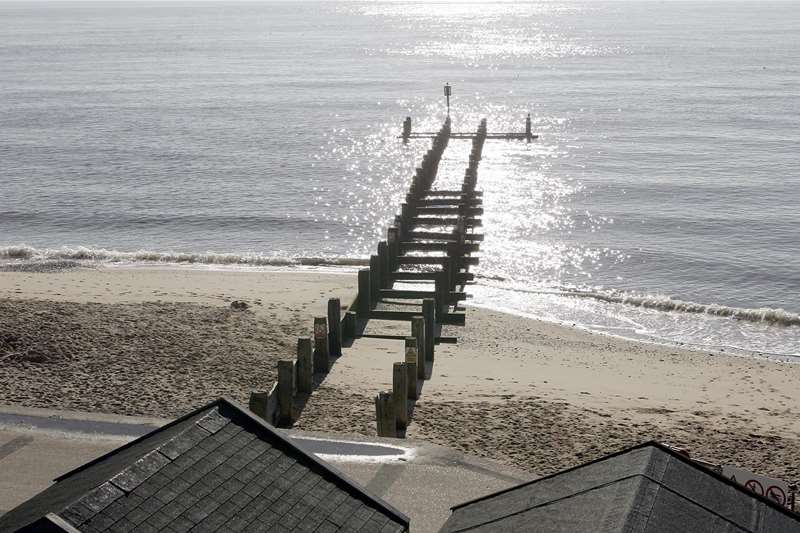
183	442
123	526
140	471
77	514
219	469
101	497
213	421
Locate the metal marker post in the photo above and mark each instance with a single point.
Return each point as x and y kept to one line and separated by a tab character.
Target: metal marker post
447	92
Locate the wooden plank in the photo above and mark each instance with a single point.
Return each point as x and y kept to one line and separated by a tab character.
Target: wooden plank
449	192
419	295
454	319
445	221
468	211
443	235
420	202
415	246
436	260
461	277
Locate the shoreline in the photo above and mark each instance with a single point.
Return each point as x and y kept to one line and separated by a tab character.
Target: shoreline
350	266
533	394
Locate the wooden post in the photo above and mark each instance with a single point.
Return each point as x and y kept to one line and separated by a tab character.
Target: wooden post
385	264
364	297
412	358
400	393
258	404
418	332
286	388
442	284
349	326
335	327
393	239
429	315
305	365
265	404
321	360
384	415
374	280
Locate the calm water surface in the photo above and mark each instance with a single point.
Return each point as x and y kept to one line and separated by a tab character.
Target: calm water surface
660	201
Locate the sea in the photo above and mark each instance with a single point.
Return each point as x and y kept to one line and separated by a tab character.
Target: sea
659	203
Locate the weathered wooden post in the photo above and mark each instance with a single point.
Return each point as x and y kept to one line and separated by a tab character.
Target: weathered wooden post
407	128
335	327
286	389
393	239
349	326
528	133
305	365
418	332
374	279
400	393
441	292
385	416
429	315
258	404
321	359
364	289
412	358
385	264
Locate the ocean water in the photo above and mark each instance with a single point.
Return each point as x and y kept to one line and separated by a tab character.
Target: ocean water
659	203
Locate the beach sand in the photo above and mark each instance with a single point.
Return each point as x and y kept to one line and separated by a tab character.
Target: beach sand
536	395
159	342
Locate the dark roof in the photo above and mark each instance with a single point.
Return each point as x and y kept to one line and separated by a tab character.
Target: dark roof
219	468
649	488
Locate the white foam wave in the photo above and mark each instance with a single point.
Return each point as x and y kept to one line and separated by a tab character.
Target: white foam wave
81	253
665	303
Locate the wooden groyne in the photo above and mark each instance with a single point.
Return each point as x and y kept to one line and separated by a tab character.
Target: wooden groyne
430	246
413	253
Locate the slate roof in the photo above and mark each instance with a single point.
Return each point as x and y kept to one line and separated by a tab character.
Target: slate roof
219	468
648	488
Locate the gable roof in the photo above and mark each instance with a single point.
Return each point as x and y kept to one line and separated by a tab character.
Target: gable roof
219	468
648	488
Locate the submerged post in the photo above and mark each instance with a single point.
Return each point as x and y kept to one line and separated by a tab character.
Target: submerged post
407	128
528	133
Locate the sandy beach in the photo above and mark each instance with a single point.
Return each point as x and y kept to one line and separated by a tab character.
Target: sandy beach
535	395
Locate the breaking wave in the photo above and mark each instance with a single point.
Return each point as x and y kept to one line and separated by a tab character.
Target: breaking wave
665	303
81	253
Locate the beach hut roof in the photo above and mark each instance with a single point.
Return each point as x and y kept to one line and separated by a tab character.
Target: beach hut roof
219	468
648	488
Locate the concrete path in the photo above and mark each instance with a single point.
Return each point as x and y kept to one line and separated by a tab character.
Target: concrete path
420	479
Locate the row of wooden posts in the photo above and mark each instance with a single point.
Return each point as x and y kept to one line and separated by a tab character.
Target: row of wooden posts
298	377
392	407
